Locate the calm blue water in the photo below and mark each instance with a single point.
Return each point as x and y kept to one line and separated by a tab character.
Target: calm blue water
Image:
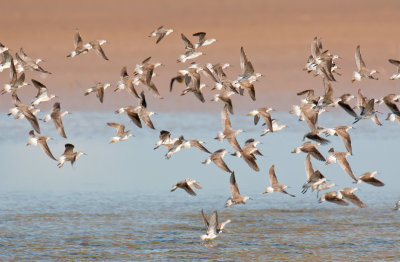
114	203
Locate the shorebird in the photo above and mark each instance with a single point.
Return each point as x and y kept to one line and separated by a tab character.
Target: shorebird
247	153
275	186
225	97
229	133
165	140
56	115
81	48
160	33
26	111
341	132
126	82
41	95
266	116
144	73
311	148
369	178
213	227
187	186
368	112
15	82
310	114
348	193
328	99
396	63
247	69
26	63
175	147
99	89
275	127
315	179
362	71
192	81
321	61
42	141
137	113
190	51
236	197
69	155
121	133
340	158
202	40
333	197
217	159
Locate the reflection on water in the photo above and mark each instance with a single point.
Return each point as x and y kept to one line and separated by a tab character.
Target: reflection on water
115	204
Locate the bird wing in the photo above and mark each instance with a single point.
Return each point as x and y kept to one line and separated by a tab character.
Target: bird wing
359	61
353	198
346	107
188	189
56	116
194	183
178	78
97	48
145	117
267	118
251	161
234	187
134	117
201	36
317	138
308	166
272	176
69	148
344	164
100	92
30	117
226	121
345	137
315	52
372	181
198	145
40	87
212	227
388	100
395	63
204	219
46	149
315	153
243	60
216	157
78	43
186	42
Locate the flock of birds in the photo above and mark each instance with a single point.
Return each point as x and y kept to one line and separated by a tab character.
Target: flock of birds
320	63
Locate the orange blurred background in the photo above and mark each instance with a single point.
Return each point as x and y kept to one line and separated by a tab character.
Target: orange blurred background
276	36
